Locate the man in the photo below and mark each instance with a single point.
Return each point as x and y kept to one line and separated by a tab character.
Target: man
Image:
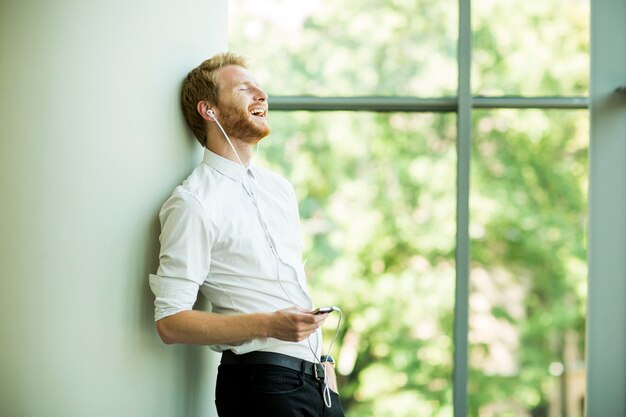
232	231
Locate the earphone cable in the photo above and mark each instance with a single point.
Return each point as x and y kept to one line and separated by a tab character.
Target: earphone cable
274	250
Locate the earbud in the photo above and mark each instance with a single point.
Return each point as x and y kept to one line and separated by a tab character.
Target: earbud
210	113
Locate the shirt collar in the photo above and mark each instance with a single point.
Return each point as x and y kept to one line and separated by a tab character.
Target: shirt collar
225	166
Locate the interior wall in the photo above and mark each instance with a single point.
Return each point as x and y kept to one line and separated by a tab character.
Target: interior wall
92	141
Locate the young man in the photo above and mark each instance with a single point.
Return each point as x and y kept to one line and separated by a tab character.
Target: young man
232	231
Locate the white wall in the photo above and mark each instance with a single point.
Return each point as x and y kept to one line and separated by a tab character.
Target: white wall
92	142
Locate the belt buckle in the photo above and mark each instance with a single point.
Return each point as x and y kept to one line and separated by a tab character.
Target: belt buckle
320	372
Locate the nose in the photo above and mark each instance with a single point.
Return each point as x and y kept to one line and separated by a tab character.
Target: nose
259	94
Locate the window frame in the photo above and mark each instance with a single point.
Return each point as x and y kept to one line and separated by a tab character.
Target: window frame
463	104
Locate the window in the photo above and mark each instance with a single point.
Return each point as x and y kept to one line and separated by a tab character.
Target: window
375	217
528	262
354	57
379	187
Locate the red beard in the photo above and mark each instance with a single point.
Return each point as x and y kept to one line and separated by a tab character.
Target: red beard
238	123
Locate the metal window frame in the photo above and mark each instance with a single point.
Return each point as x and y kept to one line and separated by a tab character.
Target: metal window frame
606	302
462	251
416	104
463	104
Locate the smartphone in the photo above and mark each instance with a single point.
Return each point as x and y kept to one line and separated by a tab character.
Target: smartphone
323	310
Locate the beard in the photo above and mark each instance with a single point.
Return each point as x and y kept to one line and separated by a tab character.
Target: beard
238	123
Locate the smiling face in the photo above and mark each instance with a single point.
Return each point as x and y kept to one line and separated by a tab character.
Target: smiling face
242	105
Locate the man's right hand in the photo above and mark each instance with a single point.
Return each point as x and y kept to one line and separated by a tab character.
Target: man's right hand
294	324
291	324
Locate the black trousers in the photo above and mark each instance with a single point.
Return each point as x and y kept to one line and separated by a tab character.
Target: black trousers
271	391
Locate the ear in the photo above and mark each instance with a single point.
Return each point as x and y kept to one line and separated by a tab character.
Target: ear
203	108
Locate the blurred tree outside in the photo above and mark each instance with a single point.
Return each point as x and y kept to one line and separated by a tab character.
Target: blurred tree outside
377	194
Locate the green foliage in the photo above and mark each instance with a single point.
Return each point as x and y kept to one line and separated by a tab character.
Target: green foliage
377	192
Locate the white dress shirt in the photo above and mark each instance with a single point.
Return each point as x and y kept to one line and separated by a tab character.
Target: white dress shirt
233	234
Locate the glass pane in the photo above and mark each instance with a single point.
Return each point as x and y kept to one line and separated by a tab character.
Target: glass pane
377	200
530	48
529	263
348	47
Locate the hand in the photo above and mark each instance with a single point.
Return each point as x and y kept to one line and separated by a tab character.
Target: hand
294	324
331	377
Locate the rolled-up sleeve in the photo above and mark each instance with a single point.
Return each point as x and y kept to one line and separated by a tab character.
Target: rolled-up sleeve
185	255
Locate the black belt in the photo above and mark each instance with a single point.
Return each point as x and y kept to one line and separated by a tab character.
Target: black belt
316	370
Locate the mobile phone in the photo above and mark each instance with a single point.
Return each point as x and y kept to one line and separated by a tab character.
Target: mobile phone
324	310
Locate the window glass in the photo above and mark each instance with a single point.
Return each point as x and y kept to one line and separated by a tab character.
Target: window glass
377	200
529	265
530	48
348	47
377	195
